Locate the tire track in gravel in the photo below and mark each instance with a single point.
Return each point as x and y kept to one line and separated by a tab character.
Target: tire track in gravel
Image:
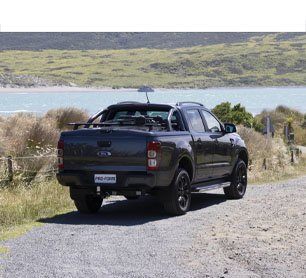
262	235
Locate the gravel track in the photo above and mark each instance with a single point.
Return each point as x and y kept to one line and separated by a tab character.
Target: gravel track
262	235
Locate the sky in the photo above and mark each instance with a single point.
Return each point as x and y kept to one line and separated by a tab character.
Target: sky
156	15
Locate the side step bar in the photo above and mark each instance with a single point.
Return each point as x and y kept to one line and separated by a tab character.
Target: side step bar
211	187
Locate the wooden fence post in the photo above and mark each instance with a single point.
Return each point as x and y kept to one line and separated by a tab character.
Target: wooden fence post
10	168
264	164
292	157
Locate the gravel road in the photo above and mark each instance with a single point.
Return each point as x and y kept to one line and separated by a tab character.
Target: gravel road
262	235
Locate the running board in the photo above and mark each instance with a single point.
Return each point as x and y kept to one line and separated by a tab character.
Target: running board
211	187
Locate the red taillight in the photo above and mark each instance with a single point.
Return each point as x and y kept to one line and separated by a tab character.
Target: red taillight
153	155
60	154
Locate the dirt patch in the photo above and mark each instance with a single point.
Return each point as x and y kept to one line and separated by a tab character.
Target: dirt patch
262	235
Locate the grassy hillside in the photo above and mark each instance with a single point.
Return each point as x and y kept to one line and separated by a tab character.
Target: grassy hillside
269	60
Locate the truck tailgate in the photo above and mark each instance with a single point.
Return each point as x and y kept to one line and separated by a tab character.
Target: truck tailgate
103	151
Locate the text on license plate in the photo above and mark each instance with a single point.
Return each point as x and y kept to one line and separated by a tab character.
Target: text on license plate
105	178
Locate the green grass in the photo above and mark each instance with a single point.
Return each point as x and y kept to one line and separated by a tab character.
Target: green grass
262	61
22	205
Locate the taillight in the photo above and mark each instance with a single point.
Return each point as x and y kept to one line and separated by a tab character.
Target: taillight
60	154
153	155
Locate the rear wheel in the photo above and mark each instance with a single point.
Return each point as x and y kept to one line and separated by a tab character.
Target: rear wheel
238	183
88	204
179	194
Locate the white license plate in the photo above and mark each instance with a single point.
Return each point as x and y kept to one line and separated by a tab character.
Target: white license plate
105	178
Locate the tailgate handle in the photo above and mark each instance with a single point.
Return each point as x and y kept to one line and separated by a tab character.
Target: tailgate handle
104	143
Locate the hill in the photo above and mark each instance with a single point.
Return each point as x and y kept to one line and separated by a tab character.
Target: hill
276	59
111	40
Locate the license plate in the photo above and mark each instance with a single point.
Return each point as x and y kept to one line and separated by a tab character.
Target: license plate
105	178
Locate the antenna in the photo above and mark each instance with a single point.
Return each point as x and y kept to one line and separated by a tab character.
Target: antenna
147	97
145	89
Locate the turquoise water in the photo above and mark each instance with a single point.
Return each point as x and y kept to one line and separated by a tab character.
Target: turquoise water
254	99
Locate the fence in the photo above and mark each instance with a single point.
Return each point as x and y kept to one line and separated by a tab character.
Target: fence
7	164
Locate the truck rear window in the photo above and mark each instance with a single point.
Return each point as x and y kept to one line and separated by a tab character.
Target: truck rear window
118	114
114	116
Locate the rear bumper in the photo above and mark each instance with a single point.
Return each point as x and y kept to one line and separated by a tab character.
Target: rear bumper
126	181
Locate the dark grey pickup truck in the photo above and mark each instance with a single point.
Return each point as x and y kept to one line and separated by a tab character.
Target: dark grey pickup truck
169	151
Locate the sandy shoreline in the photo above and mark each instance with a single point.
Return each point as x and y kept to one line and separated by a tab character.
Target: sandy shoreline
66	89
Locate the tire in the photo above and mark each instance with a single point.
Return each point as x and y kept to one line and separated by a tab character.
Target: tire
88	204
178	194
131	198
238	181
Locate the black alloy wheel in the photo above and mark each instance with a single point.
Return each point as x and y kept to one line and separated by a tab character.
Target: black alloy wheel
183	192
241	179
179	194
238	183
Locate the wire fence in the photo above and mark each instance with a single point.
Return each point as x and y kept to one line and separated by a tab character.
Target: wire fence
11	166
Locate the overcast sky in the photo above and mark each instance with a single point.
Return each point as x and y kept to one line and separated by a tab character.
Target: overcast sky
154	15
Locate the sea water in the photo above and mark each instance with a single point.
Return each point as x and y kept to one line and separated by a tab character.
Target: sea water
254	99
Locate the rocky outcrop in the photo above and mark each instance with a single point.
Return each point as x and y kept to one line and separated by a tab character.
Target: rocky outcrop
29	81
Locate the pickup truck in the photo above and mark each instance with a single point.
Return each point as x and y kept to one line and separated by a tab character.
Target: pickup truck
169	151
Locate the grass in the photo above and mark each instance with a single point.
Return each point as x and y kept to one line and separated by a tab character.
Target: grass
262	61
277	156
22	205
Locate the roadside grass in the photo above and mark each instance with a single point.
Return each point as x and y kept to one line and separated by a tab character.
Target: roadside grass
22	204
262	61
277	157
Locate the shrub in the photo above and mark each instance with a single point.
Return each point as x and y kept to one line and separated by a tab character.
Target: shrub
237	115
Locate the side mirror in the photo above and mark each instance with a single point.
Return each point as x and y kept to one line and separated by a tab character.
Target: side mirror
229	128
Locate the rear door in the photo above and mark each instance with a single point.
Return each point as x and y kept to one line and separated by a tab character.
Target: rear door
223	145
203	145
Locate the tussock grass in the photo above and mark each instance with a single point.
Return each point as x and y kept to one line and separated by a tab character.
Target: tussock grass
62	116
24	135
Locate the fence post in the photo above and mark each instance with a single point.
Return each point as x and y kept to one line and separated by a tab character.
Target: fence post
264	164
292	157
10	168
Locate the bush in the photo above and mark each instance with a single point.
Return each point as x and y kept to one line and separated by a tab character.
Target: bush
236	115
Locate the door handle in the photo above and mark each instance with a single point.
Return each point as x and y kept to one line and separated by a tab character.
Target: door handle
232	142
199	141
